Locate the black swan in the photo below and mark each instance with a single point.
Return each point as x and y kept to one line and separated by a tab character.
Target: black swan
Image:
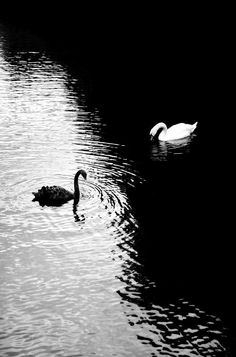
57	195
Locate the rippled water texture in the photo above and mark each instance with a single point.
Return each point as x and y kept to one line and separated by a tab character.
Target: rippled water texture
71	280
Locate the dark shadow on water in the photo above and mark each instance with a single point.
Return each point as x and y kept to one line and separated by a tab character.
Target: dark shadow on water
162	150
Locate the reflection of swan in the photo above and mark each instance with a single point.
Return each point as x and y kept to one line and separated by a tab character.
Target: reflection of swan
164	150
175	132
56	195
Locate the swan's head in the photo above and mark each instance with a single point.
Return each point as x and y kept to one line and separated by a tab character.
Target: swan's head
151	135
153	132
83	173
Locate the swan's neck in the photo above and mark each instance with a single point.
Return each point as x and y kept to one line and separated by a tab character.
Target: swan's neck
163	128
157	127
76	186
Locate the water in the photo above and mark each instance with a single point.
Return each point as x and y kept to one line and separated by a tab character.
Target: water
81	282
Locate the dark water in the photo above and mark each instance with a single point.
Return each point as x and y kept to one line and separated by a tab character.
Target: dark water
136	270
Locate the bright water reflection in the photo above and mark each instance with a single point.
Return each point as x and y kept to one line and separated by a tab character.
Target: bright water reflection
71	281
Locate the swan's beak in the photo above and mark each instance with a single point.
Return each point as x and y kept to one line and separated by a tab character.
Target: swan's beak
151	137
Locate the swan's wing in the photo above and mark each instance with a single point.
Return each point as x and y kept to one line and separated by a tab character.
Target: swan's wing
181	128
59	193
178	131
53	193
177	128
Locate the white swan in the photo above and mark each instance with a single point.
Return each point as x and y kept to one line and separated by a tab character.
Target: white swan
175	132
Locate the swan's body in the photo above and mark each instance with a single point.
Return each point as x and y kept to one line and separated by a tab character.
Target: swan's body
56	195
175	132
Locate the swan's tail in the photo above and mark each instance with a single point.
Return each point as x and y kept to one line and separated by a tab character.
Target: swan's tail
194	126
36	196
40	194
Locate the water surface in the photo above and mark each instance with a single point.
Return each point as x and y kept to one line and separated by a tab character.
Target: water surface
73	282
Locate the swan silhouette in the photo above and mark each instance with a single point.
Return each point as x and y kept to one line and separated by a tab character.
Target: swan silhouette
175	132
57	195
